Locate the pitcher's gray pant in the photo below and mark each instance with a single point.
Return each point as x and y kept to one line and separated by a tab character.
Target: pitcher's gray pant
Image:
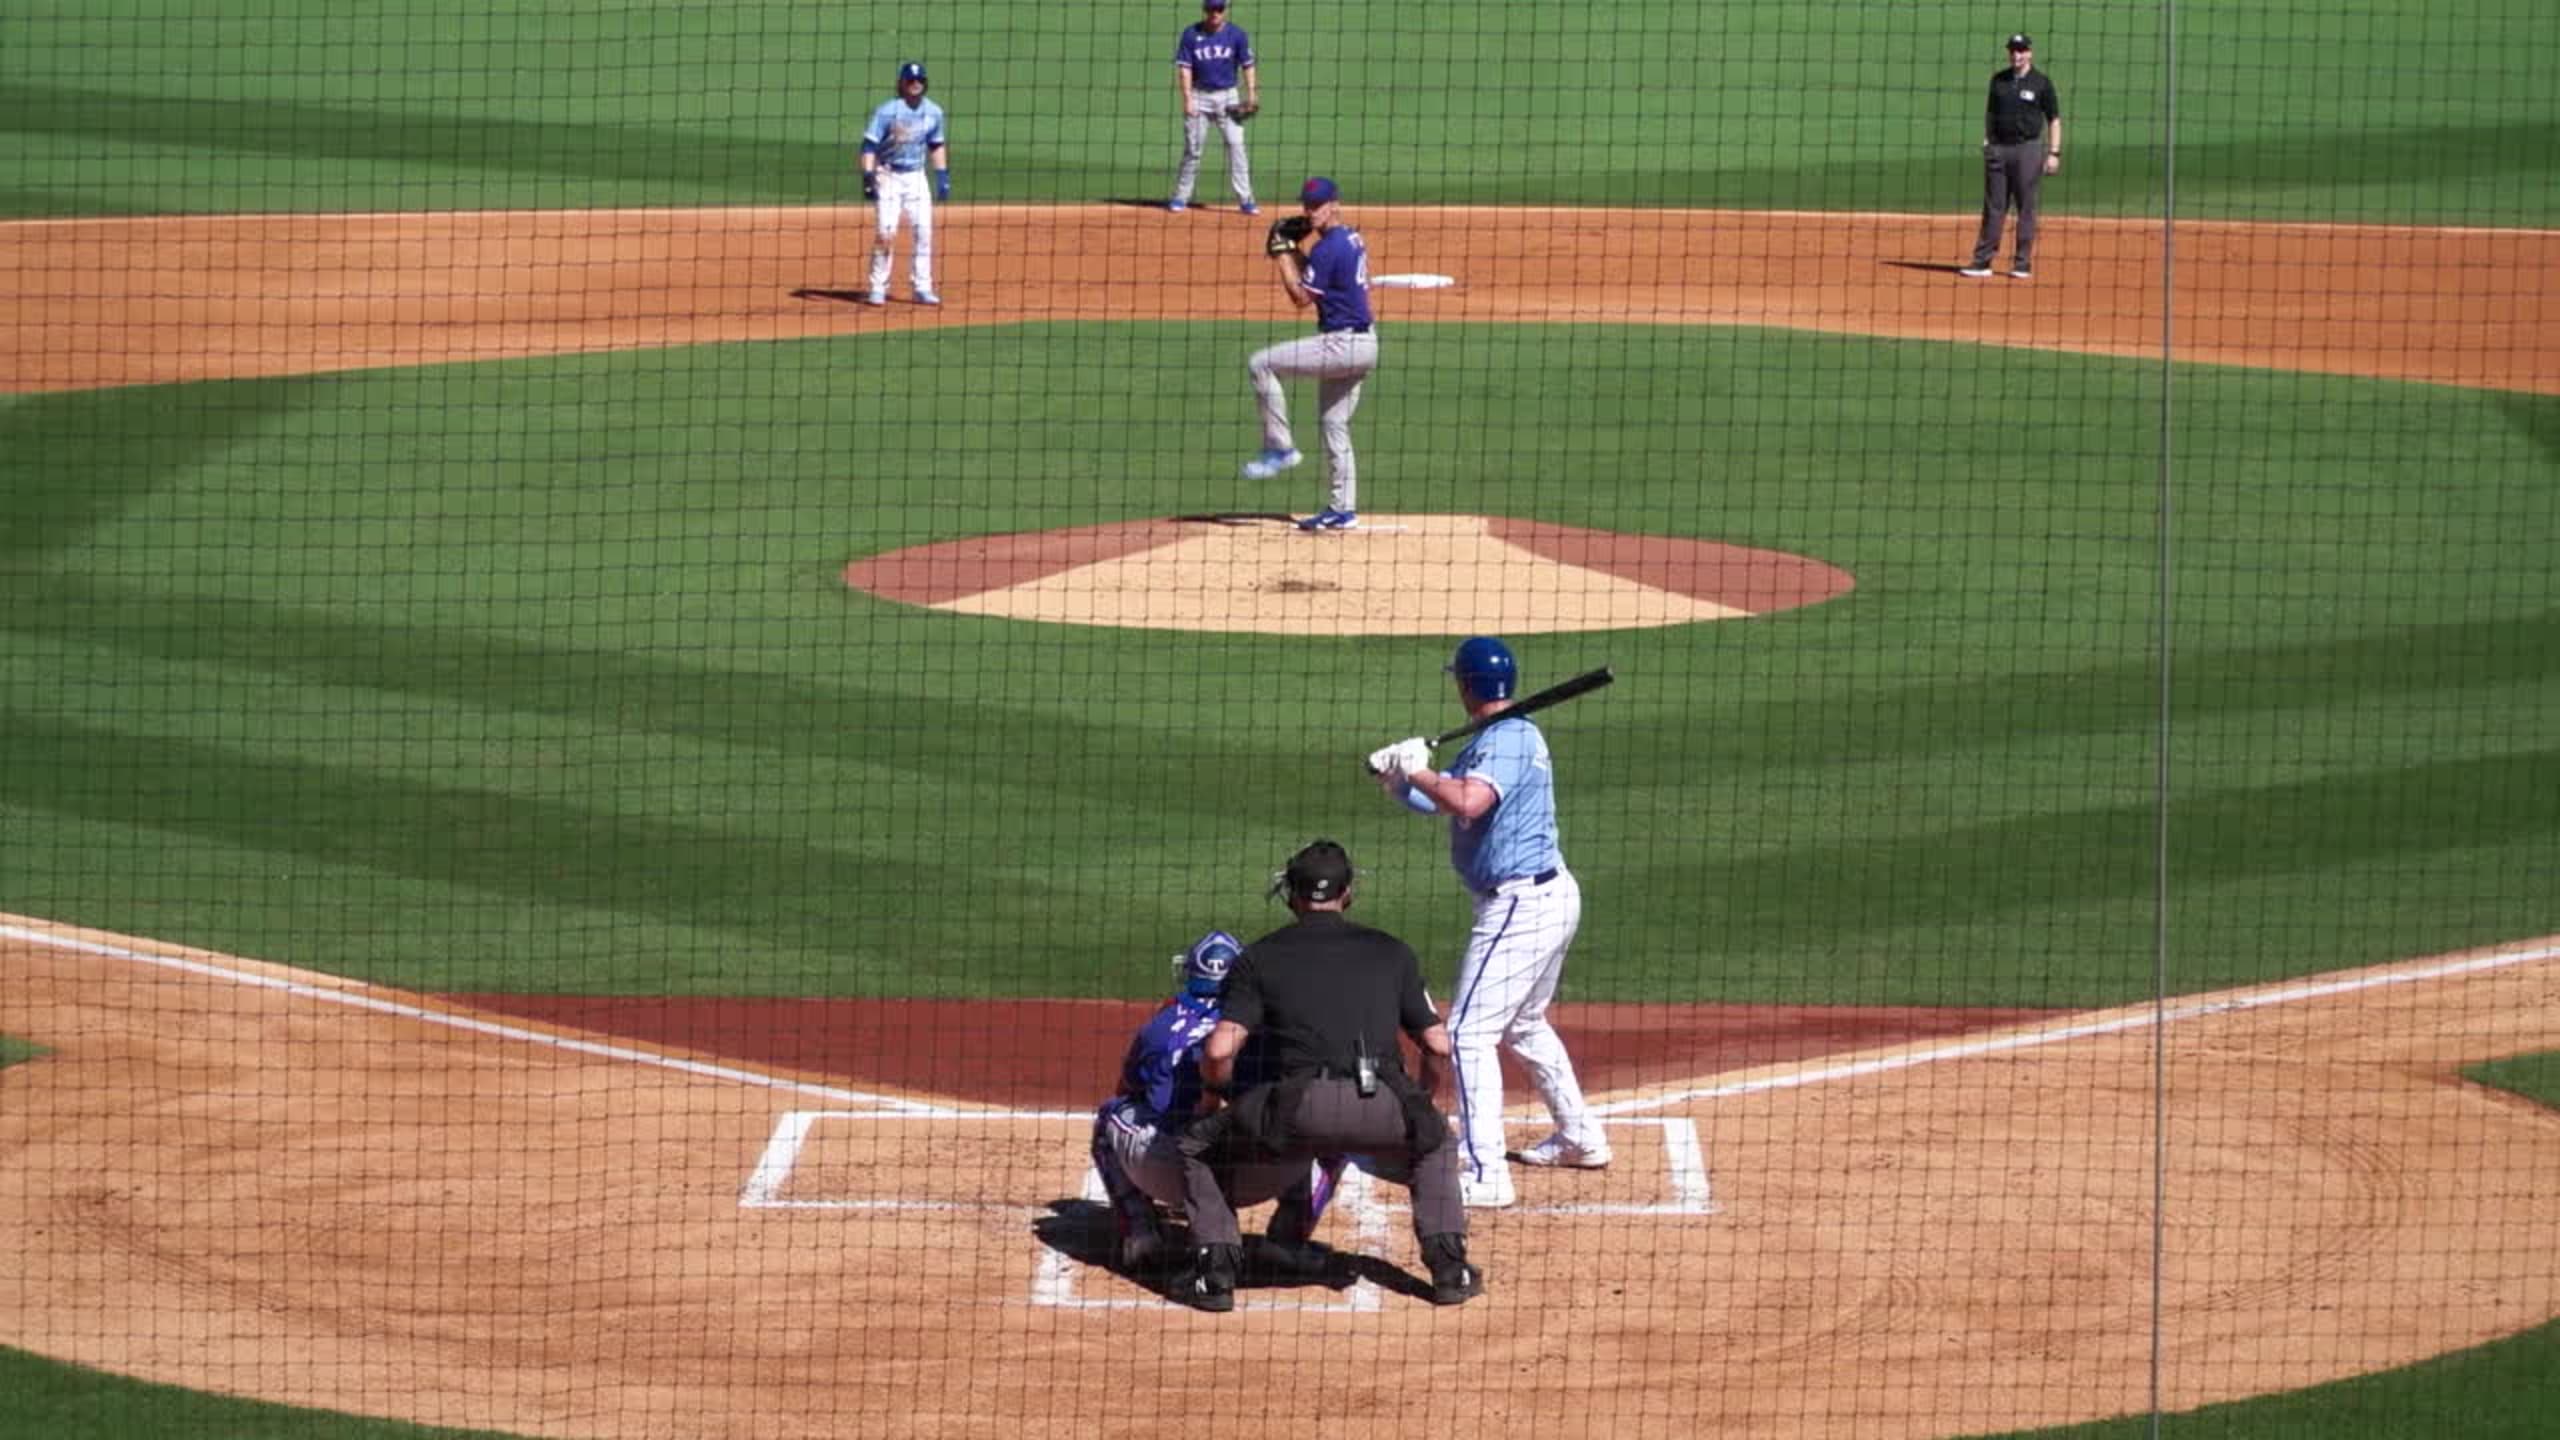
1332	1118
1339	362
2011	175
1208	106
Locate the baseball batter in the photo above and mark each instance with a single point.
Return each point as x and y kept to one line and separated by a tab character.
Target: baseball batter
903	135
1333	277
1499	797
1211	60
1137	1131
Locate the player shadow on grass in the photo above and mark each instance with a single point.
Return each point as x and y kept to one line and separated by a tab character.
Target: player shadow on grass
1082	1231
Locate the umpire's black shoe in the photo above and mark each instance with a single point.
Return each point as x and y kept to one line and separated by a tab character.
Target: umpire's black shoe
1453	1280
1210	1283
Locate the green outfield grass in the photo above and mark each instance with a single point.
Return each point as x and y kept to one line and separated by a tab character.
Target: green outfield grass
2343	114
538	675
14	1050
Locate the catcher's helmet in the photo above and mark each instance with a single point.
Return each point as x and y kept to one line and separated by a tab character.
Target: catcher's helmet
1484	668
1202	969
912	70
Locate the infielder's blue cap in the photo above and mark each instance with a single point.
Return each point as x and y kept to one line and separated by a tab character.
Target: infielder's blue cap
1317	191
1213	4
912	70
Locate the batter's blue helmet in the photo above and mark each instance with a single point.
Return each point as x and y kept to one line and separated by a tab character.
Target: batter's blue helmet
912	70
1484	668
1202	969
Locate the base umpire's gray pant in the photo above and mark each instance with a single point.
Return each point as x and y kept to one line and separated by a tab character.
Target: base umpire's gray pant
1339	362
1333	1118
1208	106
2011	175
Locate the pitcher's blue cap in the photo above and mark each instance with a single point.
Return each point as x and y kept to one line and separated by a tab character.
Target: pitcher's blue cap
1317	191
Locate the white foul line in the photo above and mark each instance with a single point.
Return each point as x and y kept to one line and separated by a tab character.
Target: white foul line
2116	1024
420	1013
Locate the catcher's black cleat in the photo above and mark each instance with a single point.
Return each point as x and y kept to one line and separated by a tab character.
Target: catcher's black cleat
1210	1283
1453	1280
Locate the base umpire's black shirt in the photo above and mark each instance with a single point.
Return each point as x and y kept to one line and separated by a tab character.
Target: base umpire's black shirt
1314	993
2020	105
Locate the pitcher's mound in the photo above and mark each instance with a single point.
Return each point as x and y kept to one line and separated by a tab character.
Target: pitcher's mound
1397	575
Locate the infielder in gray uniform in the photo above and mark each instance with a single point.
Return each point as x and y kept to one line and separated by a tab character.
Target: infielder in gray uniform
2021	144
1213	70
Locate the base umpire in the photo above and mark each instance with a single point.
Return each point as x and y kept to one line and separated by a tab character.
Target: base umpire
1324	998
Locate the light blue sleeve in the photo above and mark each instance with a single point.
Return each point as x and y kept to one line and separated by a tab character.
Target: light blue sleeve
1417	802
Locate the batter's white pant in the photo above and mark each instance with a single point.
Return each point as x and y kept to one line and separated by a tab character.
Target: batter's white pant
903	194
1515	956
1339	363
1207	107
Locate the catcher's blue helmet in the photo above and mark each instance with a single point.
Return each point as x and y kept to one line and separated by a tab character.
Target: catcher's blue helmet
1202	969
912	70
1484	668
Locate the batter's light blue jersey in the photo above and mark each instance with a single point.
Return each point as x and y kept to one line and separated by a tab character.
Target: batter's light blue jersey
901	134
1518	835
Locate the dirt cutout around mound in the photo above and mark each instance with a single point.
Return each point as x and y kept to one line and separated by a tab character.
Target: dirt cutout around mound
1397	575
242	1179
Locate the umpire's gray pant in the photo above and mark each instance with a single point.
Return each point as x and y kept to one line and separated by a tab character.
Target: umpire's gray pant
2011	175
1332	1118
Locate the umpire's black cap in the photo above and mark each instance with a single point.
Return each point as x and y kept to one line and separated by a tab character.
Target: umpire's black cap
2020	41
1320	872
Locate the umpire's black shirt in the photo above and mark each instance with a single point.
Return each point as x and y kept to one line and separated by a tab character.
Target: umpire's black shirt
1314	992
2020	105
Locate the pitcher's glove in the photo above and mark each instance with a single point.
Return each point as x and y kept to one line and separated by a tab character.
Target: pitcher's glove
1286	232
1244	109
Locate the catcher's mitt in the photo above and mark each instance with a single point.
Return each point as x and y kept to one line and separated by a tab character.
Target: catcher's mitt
1244	109
1285	234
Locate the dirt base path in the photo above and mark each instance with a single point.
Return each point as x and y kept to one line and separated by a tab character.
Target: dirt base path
237	1178
121	302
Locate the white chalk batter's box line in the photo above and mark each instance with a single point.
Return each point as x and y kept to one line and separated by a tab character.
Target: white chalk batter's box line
1054	1280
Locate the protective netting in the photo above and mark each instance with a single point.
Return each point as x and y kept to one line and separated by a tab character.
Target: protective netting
599	774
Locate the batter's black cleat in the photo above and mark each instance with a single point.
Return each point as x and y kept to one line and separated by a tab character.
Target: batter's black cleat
1210	1283
1453	1280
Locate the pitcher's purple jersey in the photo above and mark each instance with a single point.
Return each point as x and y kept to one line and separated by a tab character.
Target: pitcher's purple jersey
1518	837
1338	277
1160	1075
1216	61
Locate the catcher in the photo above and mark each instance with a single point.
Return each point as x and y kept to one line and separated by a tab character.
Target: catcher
1137	1134
1211	61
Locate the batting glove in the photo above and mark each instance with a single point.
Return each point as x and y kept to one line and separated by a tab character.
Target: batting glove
941	184
1408	756
1382	761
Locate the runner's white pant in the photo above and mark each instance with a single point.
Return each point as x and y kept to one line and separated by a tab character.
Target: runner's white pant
903	194
1339	363
1207	107
1515	956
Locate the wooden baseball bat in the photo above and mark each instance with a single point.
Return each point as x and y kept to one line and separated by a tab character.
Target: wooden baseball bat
1556	694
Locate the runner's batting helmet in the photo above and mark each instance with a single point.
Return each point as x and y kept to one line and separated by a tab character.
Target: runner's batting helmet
1484	668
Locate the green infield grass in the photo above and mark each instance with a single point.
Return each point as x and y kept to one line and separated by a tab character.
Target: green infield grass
540	675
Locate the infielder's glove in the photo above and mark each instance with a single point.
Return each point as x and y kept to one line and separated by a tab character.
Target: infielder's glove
870	185
1286	232
1244	109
